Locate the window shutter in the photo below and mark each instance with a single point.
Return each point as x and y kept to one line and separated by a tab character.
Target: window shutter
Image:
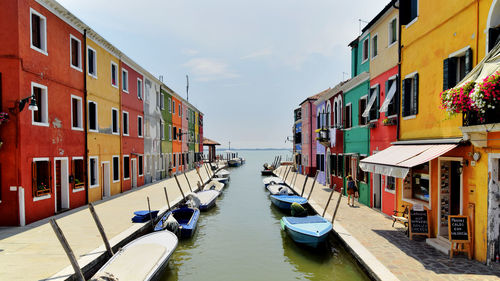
493	35
404	91
415	95
445	74
33	179
452	72
385	97
377	104
359	113
50	185
405	11
468	60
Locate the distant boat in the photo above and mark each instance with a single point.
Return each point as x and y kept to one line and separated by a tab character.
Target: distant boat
207	198
285	201
310	230
214	185
276	189
272	180
142	259
185	216
235	162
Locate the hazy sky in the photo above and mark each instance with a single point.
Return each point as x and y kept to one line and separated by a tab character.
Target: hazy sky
250	63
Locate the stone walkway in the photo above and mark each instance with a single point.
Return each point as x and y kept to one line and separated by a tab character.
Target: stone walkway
387	251
33	252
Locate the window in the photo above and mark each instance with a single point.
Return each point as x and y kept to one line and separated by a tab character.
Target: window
78	173
116	168
175	133
180	134
365	50
92	62
115	128
169	105
76	113
173	107
456	67
93	116
162	101
114	75
75	53
322	162
408	11
40	117
170	132
393	31
391	183
374	46
139	126
141	165
392	108
162	130
374	113
126	167
340	166
41	177
410	95
360	174
416	185
125	123
38	25
125	80
362	106
139	89
180	110
93	171
175	158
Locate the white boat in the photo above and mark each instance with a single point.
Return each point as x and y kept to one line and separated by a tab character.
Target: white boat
142	259
207	198
276	189
223	173
214	185
272	180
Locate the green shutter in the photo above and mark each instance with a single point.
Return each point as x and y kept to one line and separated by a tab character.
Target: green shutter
415	95
386	91
377	104
404	104
445	74
468	60
452	72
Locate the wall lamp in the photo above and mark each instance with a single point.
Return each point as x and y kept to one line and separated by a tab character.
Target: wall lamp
32	105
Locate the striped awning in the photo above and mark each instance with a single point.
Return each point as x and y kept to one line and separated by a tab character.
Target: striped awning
397	160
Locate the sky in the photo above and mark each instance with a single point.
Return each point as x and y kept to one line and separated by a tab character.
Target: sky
250	62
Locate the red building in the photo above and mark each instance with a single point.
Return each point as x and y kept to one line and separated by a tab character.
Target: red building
42	158
200	133
132	127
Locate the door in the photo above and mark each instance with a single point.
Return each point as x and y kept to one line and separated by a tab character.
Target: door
134	173
106	179
61	183
58	181
450	193
493	207
377	191
328	165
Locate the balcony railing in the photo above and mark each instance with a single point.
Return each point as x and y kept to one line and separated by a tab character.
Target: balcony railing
474	118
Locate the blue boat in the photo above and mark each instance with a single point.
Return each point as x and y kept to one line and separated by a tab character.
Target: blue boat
285	201
187	219
144	216
310	230
207	199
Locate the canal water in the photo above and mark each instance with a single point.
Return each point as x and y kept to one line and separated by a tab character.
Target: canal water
241	239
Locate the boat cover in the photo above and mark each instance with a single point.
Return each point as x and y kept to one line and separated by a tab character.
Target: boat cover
290	198
303	220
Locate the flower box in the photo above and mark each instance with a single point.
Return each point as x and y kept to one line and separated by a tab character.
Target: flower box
390	121
41	192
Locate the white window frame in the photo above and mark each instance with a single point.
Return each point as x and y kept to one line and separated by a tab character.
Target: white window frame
350	116
81	188
79	67
79	113
96	116
413	116
124	80
123	165
170	132
173	106
128	123
96	171
140	133
113	109
43	32
180	110
44	106
116	73
140	158
95	62
162	130
365	97
416	18
162	100
389	32
367	41
113	168
169	105
372	46
140	89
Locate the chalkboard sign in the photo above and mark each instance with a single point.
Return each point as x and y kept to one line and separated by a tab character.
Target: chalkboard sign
458	228
419	223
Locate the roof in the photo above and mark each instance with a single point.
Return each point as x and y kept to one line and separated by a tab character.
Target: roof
316	96
207	141
335	90
379	15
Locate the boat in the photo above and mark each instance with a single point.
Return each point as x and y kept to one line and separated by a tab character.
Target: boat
214	185
221	180
285	201
234	162
276	189
309	230
223	173
142	259
207	198
185	216
272	180
267	172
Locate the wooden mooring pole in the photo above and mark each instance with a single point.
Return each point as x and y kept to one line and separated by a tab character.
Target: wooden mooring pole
179	185
166	196
338	204
312	187
101	229
188	182
304	186
150	215
329	198
201	179
67	249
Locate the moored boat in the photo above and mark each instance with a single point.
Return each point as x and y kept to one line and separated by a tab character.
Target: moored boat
276	189
285	201
142	259
310	230
272	180
185	216
267	172
235	162
214	185
223	173
207	198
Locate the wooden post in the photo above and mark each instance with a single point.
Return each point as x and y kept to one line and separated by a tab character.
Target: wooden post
67	249
179	185
166	196
304	186
206	170
338	204
190	189
199	175
101	229
200	186
312	187
286	175
328	202
294	179
150	215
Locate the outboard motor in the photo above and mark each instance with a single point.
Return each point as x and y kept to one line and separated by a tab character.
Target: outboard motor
192	200
282	190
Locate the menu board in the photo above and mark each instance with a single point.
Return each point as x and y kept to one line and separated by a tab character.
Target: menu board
459	228
419	223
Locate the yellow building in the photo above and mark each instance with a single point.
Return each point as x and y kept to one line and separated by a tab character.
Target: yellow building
196	132
103	118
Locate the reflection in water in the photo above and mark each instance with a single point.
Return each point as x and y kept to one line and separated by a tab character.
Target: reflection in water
241	239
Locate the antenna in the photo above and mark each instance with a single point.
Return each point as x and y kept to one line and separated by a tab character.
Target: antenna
187	87
361	21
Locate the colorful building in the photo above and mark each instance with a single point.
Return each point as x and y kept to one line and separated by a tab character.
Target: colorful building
176	137
321	138
154	127
166	124
297	140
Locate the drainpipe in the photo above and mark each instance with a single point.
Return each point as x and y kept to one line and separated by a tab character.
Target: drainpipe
399	72
85	112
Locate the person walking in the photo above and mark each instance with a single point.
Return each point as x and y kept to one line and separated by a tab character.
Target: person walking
352	190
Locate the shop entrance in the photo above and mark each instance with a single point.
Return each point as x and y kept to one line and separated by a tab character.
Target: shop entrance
377	191
450	192
493	207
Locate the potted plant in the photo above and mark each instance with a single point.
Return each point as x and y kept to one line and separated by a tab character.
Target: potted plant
4	117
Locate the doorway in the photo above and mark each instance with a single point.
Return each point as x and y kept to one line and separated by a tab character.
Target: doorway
377	191
450	192
493	207
61	183
106	179
134	173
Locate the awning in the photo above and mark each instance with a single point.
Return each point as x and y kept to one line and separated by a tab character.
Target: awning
370	104
489	65
397	160
388	97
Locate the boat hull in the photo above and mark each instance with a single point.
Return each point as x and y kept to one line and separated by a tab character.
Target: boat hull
285	202
311	234
233	163
267	172
208	199
187	218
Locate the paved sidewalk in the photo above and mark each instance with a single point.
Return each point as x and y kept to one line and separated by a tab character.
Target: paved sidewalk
386	250
33	252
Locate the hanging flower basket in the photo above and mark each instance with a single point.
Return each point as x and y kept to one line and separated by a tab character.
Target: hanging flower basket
4	117
390	121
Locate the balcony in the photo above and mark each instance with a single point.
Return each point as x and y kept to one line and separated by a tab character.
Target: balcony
475	126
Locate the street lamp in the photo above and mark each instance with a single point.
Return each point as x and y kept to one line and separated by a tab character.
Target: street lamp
32	105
